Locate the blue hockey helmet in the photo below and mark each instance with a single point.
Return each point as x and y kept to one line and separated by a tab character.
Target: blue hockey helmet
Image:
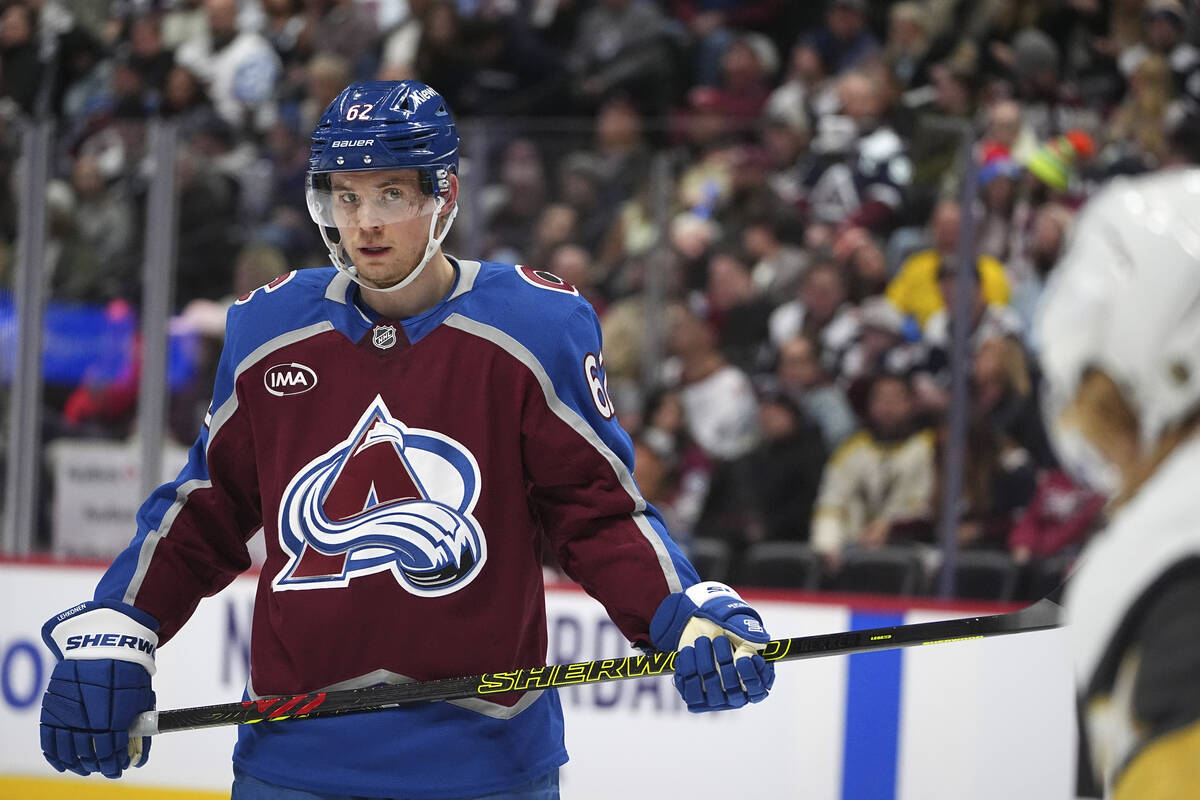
387	125
383	125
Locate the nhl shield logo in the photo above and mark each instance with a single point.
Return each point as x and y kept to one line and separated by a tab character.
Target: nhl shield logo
384	336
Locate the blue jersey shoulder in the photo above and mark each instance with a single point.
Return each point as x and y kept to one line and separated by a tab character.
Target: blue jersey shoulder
535	307
290	302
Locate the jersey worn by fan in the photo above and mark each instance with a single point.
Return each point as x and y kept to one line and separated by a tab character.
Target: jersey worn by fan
405	474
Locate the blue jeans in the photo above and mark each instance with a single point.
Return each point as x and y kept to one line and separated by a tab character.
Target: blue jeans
248	787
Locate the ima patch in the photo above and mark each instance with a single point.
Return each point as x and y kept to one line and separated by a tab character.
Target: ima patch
285	379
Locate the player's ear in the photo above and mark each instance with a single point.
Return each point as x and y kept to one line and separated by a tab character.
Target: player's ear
451	194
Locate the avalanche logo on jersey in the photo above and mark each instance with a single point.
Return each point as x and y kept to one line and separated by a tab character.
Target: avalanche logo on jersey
388	497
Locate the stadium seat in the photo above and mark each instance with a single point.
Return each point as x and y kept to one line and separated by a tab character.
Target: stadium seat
982	575
710	557
781	565
886	570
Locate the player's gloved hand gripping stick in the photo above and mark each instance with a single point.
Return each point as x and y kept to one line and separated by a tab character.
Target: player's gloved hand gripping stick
100	684
720	639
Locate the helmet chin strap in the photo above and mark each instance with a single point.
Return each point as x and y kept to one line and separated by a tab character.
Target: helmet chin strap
435	241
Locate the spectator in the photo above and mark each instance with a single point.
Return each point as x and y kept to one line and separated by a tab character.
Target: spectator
209	199
104	402
692	238
819	309
769	492
881	477
863	263
513	205
986	321
86	78
620	145
187	406
778	265
1058	518
1031	268
689	469
347	29
238	67
148	56
786	468
444	59
97	262
1051	104
806	88
749	196
998	180
717	398
737	310
746	67
132	98
876	344
573	264
914	291
785	142
184	97
183	22
555	226
1006	128
799	375
1002	394
845	41
998	483
403	41
712	25
325	75
619	47
935	116
254	266
1164	33
20	68
907	49
1137	127
861	173
288	31
1183	133
580	177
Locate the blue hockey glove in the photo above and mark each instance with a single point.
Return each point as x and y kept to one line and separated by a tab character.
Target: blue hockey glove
719	638
101	682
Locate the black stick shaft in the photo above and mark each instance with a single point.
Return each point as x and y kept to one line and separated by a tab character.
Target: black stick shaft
1043	615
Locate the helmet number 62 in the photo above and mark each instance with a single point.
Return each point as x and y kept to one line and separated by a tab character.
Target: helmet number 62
359	111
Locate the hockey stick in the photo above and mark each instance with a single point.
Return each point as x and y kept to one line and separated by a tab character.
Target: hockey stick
1040	616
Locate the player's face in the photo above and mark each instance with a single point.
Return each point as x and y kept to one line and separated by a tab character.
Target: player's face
383	218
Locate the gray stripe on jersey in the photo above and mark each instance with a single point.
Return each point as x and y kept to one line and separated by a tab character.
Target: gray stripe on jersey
146	552
580	426
219	418
476	704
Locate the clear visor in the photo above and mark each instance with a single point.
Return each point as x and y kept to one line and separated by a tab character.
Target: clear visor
365	199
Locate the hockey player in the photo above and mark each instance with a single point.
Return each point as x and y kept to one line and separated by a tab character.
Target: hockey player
1120	329
407	429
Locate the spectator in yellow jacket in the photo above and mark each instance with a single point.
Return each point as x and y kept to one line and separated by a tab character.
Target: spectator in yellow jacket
914	290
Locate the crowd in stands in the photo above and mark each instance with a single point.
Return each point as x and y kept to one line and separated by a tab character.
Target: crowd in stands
809	239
